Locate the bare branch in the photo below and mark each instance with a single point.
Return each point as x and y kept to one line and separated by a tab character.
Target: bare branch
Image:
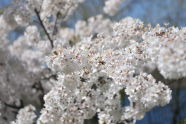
44	28
14	106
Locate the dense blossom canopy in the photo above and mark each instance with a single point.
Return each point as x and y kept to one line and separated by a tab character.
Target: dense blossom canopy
85	71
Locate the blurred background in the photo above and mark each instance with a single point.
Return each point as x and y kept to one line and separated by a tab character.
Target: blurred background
172	12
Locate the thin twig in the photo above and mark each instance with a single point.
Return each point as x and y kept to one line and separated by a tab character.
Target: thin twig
53	76
56	22
14	106
42	25
39	87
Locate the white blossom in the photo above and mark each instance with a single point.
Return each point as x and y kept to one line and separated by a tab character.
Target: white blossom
26	115
112	6
88	69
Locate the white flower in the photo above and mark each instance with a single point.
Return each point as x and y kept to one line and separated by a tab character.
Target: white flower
112	6
26	115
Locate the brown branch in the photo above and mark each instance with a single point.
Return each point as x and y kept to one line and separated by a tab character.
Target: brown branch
56	23
14	106
53	76
44	28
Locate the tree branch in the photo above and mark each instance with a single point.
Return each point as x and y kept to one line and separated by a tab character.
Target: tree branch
56	22
44	28
14	106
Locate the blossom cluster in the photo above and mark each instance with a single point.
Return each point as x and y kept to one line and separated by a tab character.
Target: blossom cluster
112	6
168	50
89	70
26	115
94	25
92	74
